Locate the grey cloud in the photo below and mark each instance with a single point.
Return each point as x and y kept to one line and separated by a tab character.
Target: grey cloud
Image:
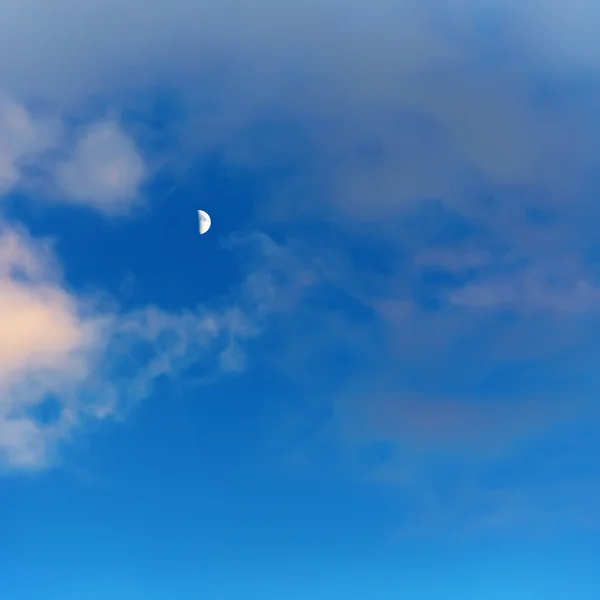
418	82
22	138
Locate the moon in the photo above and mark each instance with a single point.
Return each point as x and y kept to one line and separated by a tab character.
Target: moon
204	220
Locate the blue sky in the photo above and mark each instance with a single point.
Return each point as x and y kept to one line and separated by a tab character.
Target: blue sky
375	376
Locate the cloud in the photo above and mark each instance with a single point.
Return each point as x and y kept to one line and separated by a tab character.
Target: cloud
68	357
458	464
530	294
105	170
562	287
387	105
486	107
478	419
22	139
420	85
459	425
67	360
42	343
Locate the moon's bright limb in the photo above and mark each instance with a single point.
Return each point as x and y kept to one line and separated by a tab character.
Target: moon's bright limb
204	220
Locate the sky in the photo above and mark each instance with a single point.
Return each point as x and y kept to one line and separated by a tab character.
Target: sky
375	377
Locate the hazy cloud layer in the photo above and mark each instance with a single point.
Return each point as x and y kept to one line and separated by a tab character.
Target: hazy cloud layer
479	416
423	87
397	102
462	136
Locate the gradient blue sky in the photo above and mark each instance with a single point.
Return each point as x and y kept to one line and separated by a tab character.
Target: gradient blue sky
375	378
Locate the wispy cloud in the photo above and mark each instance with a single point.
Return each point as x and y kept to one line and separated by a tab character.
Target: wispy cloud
22	139
462	464
43	345
479	417
90	363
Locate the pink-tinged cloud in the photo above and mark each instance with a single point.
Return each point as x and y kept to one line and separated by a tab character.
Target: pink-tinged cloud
42	347
39	327
97	364
105	170
39	320
447	424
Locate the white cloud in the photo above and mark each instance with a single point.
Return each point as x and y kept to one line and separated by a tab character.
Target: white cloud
105	170
398	101
42	347
92	364
40	325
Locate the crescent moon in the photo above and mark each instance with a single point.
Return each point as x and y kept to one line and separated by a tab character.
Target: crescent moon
204	221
